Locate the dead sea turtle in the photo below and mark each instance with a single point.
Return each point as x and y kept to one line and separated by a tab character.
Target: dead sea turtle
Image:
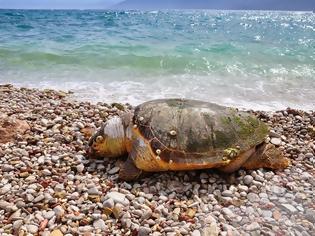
179	134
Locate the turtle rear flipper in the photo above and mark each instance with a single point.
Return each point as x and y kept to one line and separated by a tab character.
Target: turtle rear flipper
129	171
238	162
267	156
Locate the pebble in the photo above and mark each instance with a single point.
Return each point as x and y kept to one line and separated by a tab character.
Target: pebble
253	197
48	181
39	198
196	233
289	208
93	191
278	190
109	203
59	211
100	224
118	197
144	231
248	179
7	168
6	188
56	232
17	225
310	215
252	227
276	141
114	170
32	229
227	212
46	172
80	168
49	214
227	193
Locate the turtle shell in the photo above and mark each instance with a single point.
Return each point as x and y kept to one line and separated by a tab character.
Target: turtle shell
190	132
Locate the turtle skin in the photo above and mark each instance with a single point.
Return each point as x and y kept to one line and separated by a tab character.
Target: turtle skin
180	134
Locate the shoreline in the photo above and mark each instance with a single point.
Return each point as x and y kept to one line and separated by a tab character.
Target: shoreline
48	187
77	96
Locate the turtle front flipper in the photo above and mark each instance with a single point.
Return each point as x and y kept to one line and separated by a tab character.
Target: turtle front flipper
129	171
238	161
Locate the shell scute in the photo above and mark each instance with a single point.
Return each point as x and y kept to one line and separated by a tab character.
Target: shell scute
204	131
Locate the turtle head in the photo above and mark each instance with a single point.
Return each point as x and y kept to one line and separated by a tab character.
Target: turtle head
112	139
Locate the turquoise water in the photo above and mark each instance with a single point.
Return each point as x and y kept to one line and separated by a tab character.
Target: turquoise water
260	60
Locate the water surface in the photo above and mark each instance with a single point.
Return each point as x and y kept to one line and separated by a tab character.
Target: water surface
259	60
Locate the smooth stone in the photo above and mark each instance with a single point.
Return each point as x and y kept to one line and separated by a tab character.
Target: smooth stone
127	222
278	190
196	233
16	215
253	197
118	197
310	215
227	193
56	232
109	203
276	141
17	225
39	198
147	214
114	170
163	198
6	188
59	187
5	205
59	211
252	227
46	172
7	168
80	168
100	224
93	191
144	231
306	176
266	214
55	159
309	155
41	160
242	188
211	230
49	214
248	179
289	208
32	229
227	212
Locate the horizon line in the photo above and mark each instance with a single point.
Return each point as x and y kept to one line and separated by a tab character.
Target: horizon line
160	9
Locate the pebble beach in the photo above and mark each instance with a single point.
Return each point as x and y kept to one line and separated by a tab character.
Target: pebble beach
49	187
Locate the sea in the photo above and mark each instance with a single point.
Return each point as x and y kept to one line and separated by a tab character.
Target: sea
259	60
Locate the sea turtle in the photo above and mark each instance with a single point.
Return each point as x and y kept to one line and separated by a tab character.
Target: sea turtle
181	134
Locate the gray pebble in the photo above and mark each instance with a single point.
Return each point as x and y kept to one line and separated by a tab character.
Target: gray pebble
32	229
113	170
144	231
49	214
118	198
100	224
196	233
248	179
276	141
289	208
109	203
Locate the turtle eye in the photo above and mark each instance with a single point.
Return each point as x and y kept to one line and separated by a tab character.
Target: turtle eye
99	139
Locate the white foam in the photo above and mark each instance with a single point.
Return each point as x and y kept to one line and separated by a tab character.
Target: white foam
237	90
